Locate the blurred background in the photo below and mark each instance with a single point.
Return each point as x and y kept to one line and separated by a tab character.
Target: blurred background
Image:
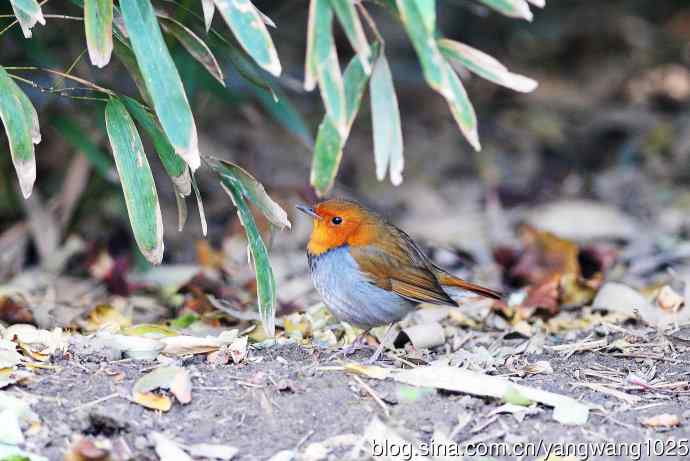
597	156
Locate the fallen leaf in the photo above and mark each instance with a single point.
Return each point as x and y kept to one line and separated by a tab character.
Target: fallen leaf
662	420
174	378
669	300
152	401
12	312
106	316
566	410
422	336
166	449
212	451
518	411
87	449
238	349
621	298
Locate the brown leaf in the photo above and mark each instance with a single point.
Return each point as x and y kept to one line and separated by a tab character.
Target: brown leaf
662	420
152	401
12	312
86	449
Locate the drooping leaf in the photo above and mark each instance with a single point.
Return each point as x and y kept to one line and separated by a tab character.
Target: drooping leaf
462	110
209	9
323	61
21	126
265	281
424	43
161	78
329	145
28	13
173	163
248	26
309	65
437	72
73	133
349	19
241	180
512	8
196	47
427	10
388	141
200	206
98	24
137	181
485	66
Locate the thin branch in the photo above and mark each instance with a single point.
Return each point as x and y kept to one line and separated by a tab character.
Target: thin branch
64	75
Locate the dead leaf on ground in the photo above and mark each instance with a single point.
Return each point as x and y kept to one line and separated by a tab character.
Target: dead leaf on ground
88	449
176	379
106	316
662	420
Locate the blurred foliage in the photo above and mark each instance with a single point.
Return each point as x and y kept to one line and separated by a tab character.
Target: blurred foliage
172	53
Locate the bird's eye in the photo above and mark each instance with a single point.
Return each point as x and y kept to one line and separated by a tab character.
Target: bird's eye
337	220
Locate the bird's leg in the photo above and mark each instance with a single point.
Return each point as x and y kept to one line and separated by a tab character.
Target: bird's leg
382	346
358	343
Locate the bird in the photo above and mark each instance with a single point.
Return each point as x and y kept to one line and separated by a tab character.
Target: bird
369	272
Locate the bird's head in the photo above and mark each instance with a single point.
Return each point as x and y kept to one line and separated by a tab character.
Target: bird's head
339	222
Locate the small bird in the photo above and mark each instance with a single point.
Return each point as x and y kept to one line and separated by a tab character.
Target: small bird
370	273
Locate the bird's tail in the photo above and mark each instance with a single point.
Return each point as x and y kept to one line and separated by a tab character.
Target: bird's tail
446	279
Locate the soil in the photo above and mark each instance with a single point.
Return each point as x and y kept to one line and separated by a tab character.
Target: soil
285	397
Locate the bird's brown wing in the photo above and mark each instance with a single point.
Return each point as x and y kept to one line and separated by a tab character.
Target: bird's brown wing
397	265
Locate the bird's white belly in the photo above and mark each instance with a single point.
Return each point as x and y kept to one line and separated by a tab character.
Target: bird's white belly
350	295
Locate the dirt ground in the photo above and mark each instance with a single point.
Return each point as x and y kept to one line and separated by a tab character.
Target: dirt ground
287	397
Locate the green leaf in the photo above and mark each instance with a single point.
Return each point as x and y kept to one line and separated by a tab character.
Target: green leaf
173	163
437	72
235	176
323	60
248	26
21	126
512	8
28	13
161	78
193	44
424	43
427	9
349	19
328	150
265	281
137	181
485	66
74	134
388	141
462	110
98	24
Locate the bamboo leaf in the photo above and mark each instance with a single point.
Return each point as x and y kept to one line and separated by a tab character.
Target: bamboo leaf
28	13
21	126
427	10
235	176
193	44
98	24
173	163
349	19
248	26
209	9
137	181
485	66
511	8
538	3
323	60
388	141
309	65
328	149
200	206
265	281
462	110
161	78
424	43
125	55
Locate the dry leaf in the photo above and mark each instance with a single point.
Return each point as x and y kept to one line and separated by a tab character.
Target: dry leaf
662	420
106	316
174	378
168	450
669	300
87	449
152	401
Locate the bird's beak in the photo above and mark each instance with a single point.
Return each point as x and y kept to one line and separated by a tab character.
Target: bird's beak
308	210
